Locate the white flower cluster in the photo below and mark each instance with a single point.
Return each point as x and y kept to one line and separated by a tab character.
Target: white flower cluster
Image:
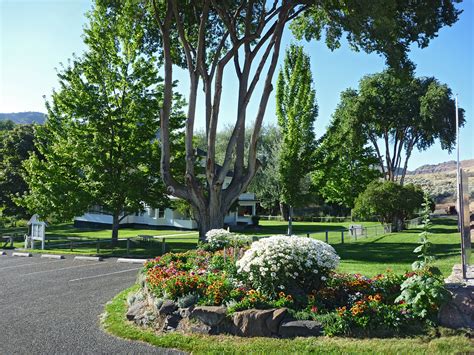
220	238
280	261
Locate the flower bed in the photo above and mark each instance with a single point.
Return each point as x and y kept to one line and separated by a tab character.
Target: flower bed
283	272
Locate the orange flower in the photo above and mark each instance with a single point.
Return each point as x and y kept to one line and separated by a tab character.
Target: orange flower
341	310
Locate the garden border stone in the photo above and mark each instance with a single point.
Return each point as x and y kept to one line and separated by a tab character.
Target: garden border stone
300	328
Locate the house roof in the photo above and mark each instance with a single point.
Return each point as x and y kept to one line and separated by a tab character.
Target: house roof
203	153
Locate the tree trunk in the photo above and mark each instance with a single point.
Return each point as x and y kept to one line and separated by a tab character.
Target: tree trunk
397	224
210	218
115	228
284	211
290	220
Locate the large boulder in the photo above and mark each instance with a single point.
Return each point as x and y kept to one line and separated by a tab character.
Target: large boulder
209	315
459	311
300	328
258	322
273	322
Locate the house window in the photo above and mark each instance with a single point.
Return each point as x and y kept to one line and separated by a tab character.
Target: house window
244	211
159	213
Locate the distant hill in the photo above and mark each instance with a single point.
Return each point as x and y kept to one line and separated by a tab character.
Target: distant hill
24	117
446	167
439	180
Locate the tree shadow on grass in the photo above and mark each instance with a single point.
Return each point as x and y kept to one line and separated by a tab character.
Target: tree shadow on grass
396	253
297	229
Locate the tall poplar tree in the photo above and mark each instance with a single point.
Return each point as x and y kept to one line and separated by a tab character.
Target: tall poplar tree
296	110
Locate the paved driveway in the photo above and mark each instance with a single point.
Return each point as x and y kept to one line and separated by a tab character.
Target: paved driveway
53	306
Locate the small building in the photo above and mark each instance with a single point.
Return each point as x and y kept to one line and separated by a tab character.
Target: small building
157	218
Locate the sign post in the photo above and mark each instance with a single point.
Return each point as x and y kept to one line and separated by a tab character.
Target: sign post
464	221
37	230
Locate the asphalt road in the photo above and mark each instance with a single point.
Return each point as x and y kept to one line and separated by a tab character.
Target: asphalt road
53	306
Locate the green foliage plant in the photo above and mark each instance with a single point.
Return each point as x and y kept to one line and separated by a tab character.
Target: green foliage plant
390	201
296	110
424	290
398	113
16	145
99	144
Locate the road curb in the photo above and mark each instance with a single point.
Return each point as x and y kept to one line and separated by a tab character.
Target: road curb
88	258
28	255
52	256
131	261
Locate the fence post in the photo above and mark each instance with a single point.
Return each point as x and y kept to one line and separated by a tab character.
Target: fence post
307	235
163	246
70	245
98	246
342	237
327	237
128	246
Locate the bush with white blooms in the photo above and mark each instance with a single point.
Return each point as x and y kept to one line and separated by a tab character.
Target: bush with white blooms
220	238
287	263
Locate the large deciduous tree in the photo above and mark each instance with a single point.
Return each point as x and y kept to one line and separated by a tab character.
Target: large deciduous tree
390	202
16	145
296	110
344	163
99	142
398	113
206	36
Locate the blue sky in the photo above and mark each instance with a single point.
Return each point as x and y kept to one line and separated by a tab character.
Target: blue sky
36	35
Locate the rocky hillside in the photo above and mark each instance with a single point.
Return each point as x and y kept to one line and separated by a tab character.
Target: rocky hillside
23	117
446	167
440	180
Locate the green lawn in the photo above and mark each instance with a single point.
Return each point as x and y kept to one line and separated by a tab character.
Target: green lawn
114	322
375	254
367	256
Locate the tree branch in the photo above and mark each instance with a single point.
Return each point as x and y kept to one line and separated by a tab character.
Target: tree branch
172	185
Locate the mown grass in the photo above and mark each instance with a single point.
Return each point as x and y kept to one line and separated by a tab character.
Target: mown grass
368	256
114	322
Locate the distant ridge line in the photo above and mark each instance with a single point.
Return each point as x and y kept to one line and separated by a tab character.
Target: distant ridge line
27	117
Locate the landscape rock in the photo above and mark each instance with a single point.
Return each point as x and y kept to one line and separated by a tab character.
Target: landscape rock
135	310
300	328
185	312
253	322
209	315
459	311
167	307
172	321
194	326
273	322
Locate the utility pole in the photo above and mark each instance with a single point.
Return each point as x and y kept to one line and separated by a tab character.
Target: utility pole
458	179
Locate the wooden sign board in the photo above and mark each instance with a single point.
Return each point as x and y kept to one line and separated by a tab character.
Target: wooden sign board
465	222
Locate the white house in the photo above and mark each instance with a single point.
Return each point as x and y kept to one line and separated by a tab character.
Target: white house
155	218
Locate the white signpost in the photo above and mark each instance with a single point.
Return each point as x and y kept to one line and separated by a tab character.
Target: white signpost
36	231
